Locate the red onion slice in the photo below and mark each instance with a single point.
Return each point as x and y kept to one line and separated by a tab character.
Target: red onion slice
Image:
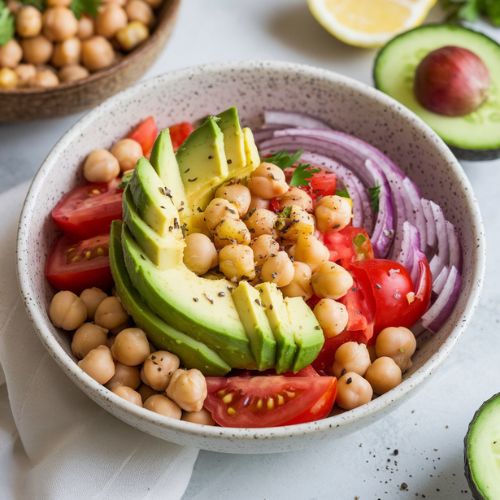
429	223
286	119
440	281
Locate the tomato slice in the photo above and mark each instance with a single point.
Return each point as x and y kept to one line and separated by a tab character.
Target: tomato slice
269	401
145	134
76	265
179	133
351	244
88	210
397	302
323	184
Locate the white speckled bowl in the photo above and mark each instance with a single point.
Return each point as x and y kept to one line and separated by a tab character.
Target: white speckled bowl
253	86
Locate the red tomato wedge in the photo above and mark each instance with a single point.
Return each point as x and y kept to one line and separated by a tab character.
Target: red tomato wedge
351	244
323	184
145	134
397	303
76	265
179	133
269	401
88	210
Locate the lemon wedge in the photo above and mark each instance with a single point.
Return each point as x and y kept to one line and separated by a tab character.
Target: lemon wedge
369	23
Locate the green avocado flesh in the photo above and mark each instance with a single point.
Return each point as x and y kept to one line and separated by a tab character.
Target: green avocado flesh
234	142
394	74
192	353
482	451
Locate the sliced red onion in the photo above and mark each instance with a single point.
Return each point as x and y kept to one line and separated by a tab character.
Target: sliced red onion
429	223
440	310
413	196
292	119
410	253
436	265
440	281
453	246
441	233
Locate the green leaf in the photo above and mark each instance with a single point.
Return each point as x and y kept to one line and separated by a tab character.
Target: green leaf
283	159
492	11
358	240
39	4
374	194
302	174
89	7
342	192
6	24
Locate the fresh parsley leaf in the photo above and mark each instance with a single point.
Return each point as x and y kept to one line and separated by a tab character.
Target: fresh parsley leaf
374	194
6	24
283	159
492	10
358	240
38	4
342	192
470	10
302	174
89	7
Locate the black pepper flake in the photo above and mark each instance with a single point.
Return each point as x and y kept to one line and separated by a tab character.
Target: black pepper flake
378	286
142	257
317	327
208	298
187	170
194	179
257	301
196	299
170	228
274	275
271	307
349	380
163	206
159	368
229	161
199	209
176	223
180	209
210	157
221	294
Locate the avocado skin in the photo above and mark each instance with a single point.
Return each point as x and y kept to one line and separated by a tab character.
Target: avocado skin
476	493
476	154
192	353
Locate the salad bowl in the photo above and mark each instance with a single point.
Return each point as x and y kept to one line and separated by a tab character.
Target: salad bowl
254	87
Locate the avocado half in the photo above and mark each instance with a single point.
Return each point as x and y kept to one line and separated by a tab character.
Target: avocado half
475	136
482	451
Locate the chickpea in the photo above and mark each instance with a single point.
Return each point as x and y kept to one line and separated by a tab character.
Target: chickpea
258	203
261	221
28	21
85	28
100	166
158	369
296	197
333	212
300	286
263	247
137	10
331	281
188	388
99	364
88	337
236	262
127	152
37	50
351	357
67	310
237	194
297	222
67	52
132	35
59	24
110	313
73	73
230	231
267	181
353	391
8	79
109	20
131	347
200	254
10	54
332	316
97	53
128	394
125	376
25	73
164	406
311	251
383	375
278	269
145	391
217	210
44	78
397	343
202	417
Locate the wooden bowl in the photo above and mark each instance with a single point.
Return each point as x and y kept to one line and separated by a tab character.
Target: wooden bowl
68	98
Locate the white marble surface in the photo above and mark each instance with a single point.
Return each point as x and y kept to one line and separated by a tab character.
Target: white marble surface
428	429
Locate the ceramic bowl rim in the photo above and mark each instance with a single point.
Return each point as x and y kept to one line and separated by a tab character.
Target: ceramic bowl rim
102	394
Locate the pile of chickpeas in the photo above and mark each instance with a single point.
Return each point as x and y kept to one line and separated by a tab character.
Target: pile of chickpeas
247	240
53	46
119	356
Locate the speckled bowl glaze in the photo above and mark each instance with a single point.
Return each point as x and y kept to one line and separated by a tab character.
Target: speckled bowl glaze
254	86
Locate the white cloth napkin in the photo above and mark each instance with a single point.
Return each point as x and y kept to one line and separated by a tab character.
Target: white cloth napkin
55	443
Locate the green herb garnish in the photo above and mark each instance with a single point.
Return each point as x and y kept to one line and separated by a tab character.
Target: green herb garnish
283	159
38	4
302	174
374	194
342	192
358	240
303	171
471	10
89	7
6	24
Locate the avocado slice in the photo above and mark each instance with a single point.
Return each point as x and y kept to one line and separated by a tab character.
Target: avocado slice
202	163
482	451
308	334
200	307
251	151
253	316
192	353
164	252
154	201
277	314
